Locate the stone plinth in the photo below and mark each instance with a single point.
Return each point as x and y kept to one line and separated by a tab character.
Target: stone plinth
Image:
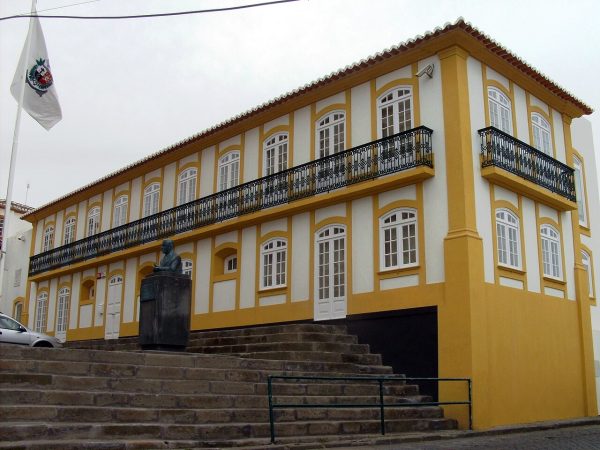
165	301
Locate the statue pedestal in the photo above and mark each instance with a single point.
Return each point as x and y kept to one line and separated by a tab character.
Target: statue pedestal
165	302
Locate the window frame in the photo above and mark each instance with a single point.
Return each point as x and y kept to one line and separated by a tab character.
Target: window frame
64	295
394	101
226	263
229	164
551	250
492	91
187	266
507	247
186	185
586	260
580	191
93	221
279	144
48	238
331	124
120	210
543	128
151	199
41	312
271	277
399	227
69	230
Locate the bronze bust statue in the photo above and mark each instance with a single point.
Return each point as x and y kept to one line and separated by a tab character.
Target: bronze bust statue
171	262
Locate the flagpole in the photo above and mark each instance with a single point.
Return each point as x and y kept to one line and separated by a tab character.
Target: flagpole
13	162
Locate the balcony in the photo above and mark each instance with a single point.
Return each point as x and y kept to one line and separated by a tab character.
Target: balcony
400	152
510	163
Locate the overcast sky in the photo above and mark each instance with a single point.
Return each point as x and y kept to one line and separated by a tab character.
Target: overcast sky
129	88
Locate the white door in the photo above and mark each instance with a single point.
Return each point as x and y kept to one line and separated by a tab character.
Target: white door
330	273
62	313
113	308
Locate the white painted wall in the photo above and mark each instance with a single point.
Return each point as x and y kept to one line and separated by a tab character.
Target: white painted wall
207	171
404	72
251	155
232	236
300	259
301	136
274	225
106	210
74	306
361	114
338	210
135	199
362	246
202	275
340	97
129	290
531	234
247	268
52	304
168	187
224	295
520	110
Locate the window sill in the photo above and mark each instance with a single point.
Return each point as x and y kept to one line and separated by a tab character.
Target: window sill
554	280
224	277
510	269
584	229
400	271
273	290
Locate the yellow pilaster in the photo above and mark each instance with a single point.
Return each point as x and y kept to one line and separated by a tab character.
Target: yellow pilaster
582	296
461	320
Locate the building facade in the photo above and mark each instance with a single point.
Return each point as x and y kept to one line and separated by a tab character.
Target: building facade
441	175
14	281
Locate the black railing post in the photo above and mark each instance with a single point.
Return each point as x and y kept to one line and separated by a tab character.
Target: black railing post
271	415
381	406
470	406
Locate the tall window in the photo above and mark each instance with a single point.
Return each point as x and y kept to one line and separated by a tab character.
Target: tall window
551	251
330	134
151	197
120	211
93	221
395	111
276	153
331	263
18	311
541	134
48	242
273	268
586	260
69	231
64	296
500	110
41	312
398	239
187	186
229	170
580	191
509	241
187	267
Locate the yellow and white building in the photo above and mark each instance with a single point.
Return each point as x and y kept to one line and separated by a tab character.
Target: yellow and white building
441	176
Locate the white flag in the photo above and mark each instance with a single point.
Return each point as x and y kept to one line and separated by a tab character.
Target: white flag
40	99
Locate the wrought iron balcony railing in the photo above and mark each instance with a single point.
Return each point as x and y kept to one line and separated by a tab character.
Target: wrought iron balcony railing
395	153
502	150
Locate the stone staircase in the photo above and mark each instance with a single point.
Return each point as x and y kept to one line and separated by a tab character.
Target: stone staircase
213	396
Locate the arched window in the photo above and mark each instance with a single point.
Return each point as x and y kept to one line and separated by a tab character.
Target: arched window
120	211
69	231
151	198
331	263
18	311
93	221
541	134
275	153
331	133
41	312
64	298
551	254
187	267
48	238
273	267
395	111
230	264
500	110
580	191
398	239
187	186
509	241
586	260
229	170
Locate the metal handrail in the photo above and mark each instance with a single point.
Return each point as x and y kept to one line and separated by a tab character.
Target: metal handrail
503	150
392	154
381	405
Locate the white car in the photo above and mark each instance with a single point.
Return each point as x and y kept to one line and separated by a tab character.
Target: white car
12	332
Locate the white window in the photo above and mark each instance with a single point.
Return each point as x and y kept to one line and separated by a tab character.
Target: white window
18	311
187	266
580	191
500	110
120	211
41	312
64	296
69	231
509	241
93	221
48	238
331	134
17	282
273	267
331	263
398	239
187	186
229	170
275	154
541	134
586	260
230	264
395	111
151	198
551	254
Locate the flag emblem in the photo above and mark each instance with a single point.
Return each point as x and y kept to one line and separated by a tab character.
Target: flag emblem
39	77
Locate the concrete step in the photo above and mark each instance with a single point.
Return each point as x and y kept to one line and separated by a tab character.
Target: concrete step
200	339
321	356
16	431
275	329
333	347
